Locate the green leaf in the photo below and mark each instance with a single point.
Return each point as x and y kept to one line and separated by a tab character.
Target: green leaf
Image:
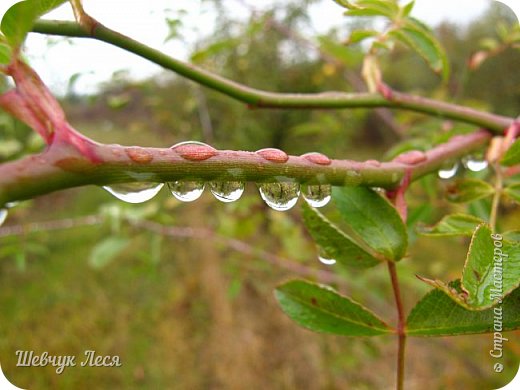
321	309
415	216
174	27
388	8
374	219
489	43
5	54
383	45
491	271
408	8
512	156
347	55
214	49
419	38
17	22
364	12
335	243
492	263
452	225
512	235
19	19
438	315
344	3
106	251
360	35
513	191
502	30
468	190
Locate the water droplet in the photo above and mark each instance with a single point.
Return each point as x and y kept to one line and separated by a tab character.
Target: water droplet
280	196
316	195
194	150
324	258
273	155
317	158
3	216
186	191
326	261
475	164
228	191
136	192
448	171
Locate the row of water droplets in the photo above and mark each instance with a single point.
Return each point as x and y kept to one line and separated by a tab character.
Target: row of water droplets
281	195
473	163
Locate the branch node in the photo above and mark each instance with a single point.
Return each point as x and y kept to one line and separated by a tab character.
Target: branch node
385	91
397	196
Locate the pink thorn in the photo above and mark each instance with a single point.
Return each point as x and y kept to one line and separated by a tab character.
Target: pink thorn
317	158
385	90
139	155
273	155
412	157
195	152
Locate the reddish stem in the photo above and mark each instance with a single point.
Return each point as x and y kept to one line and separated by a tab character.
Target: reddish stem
398	198
401	324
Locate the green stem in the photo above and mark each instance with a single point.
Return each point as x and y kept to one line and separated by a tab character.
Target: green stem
83	19
261	99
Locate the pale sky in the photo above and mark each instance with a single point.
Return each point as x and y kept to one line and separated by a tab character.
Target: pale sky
144	21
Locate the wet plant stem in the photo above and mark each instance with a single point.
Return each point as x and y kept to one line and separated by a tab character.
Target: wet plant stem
63	166
401	333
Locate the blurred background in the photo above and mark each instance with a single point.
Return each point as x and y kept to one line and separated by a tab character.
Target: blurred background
182	292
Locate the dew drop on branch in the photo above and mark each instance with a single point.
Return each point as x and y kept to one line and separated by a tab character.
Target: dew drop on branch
448	171
186	191
3	216
324	258
280	196
475	164
316	195
227	191
136	192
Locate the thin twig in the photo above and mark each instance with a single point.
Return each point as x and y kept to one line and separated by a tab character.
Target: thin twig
60	224
179	233
352	77
263	99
